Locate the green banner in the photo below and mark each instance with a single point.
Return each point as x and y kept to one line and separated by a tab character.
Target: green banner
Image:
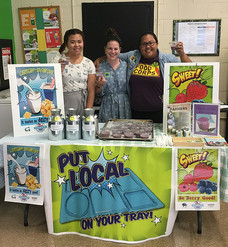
112	192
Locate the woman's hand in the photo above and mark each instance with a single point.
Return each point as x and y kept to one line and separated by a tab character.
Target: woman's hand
180	50
99	82
64	61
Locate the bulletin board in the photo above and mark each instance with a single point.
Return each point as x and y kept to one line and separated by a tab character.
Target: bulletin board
40	33
200	37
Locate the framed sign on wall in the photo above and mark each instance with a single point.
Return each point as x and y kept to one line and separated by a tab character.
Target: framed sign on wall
40	33
200	37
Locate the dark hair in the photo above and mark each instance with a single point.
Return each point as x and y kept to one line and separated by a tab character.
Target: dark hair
67	34
111	35
148	33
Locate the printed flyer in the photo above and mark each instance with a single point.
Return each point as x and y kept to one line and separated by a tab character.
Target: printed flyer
197	179
177	121
206	119
112	192
191	82
23	174
35	90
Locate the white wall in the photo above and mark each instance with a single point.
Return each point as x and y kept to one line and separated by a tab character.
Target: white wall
165	12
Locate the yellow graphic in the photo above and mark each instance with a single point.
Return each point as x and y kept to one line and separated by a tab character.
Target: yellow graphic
41	40
178	78
147	70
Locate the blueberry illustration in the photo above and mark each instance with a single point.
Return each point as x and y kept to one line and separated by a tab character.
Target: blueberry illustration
202	182
208	184
214	188
202	189
208	191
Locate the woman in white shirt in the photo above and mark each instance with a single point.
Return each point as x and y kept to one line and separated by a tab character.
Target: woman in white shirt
78	75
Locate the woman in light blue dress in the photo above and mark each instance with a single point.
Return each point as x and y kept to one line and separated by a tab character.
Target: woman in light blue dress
111	82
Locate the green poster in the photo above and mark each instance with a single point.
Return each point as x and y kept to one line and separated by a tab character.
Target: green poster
191	82
197	179
111	192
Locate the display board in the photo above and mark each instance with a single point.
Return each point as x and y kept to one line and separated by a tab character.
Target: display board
40	32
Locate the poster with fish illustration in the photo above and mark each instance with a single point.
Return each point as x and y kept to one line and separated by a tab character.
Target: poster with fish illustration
190	82
197	179
23	173
111	192
35	90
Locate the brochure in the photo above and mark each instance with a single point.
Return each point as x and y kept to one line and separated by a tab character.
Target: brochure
215	141
206	119
177	121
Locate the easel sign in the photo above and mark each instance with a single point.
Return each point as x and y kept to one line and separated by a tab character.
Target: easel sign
35	90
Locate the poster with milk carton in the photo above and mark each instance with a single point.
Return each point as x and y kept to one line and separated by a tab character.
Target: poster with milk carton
24	182
35	90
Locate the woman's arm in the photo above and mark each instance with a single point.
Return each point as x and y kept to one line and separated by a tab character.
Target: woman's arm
180	50
91	90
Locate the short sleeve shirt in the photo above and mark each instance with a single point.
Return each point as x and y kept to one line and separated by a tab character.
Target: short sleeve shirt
146	83
75	76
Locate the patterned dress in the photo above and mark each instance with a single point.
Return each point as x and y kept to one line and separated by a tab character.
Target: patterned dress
115	99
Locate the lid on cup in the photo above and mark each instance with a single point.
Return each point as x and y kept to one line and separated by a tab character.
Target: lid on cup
72	111
89	111
55	112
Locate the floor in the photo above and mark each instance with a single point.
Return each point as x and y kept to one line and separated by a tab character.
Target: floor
14	233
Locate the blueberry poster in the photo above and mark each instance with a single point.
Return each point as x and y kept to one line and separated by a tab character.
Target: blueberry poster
111	192
197	180
191	82
35	90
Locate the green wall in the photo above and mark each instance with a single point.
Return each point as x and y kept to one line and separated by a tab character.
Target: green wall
6	23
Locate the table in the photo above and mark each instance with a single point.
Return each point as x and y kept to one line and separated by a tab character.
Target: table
126	190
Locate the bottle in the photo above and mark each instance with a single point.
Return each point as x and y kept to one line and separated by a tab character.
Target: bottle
89	125
73	125
55	126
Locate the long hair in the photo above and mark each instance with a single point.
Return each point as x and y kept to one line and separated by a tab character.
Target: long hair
67	34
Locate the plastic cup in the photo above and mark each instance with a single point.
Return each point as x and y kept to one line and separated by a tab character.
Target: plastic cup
173	45
64	60
99	76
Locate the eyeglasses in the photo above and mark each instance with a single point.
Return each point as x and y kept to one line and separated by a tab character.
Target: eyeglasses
150	43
